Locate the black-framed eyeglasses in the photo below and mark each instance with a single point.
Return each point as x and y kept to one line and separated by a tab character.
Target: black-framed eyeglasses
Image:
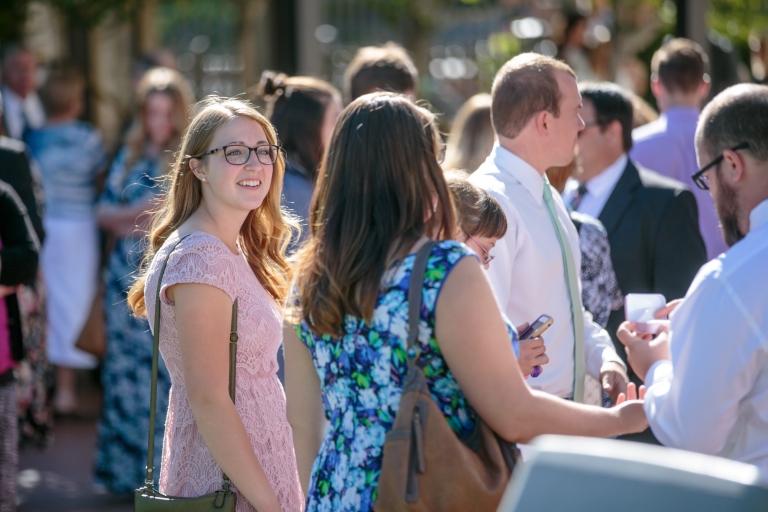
238	154
700	180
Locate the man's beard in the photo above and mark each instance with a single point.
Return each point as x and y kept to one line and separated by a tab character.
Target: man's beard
727	206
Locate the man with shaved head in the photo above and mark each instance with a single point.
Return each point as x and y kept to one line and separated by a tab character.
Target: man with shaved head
707	376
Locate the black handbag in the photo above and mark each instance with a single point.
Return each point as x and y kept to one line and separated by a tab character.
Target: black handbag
147	498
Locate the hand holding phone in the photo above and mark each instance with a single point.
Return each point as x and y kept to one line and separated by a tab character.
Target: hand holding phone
537	328
533	352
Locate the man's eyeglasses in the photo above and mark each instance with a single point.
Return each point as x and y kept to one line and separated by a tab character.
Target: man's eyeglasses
488	257
237	154
701	181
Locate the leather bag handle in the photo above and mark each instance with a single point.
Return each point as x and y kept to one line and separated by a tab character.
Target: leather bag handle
149	481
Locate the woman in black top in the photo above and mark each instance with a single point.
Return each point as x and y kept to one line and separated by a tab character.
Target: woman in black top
18	265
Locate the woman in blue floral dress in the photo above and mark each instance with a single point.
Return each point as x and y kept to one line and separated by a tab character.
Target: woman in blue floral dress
132	182
380	196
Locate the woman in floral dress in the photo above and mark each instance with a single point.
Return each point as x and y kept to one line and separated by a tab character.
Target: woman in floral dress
132	182
380	197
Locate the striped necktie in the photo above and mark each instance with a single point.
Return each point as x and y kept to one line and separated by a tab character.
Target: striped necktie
573	291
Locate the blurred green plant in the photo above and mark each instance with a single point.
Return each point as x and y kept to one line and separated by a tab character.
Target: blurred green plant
738	20
501	47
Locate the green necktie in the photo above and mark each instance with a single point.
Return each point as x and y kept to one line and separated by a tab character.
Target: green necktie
573	290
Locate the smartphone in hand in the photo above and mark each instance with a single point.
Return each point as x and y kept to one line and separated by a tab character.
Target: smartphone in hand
537	328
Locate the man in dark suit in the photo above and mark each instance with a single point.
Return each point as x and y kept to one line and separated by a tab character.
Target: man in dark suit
652	220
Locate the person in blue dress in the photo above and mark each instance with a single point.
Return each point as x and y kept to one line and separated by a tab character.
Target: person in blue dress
381	195
134	179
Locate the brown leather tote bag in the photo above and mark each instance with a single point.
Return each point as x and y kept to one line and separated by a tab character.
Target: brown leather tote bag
426	466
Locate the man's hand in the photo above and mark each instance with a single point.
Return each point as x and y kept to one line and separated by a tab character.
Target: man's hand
669	308
614	380
532	353
632	394
643	349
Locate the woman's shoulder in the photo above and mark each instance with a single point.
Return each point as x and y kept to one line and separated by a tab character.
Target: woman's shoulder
443	257
206	245
197	257
449	252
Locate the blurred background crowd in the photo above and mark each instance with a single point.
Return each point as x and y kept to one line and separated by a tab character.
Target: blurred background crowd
95	96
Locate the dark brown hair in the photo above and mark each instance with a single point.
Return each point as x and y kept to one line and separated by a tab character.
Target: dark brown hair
64	86
296	108
680	65
477	212
379	190
380	68
611	104
523	87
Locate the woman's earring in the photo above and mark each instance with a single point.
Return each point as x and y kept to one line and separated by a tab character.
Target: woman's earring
203	179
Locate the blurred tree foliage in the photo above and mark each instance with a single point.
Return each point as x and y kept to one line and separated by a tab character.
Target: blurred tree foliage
13	13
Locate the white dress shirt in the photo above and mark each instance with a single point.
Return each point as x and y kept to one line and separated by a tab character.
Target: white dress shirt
527	274
599	188
713	396
15	108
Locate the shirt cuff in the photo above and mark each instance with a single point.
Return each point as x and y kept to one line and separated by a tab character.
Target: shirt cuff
609	355
660	371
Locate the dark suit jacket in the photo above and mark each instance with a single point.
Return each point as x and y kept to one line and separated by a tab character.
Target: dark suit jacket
19	257
15	170
656	246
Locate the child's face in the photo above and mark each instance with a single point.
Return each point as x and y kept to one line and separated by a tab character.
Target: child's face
482	246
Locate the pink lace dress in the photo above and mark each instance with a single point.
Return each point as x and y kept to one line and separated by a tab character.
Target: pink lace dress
188	469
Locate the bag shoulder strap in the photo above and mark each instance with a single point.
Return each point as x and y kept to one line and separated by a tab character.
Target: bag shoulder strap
415	285
149	481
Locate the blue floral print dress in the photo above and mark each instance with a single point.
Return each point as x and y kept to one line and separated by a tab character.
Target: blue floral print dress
362	375
121	449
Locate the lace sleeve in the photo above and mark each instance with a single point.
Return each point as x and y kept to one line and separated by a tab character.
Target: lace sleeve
203	259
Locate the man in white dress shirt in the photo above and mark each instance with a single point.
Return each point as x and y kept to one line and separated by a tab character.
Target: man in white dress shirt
535	112
22	108
707	377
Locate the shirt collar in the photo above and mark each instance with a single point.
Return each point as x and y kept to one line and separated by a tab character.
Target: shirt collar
509	163
758	216
604	183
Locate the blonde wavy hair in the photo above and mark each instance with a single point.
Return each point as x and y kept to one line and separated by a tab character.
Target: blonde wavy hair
267	230
159	81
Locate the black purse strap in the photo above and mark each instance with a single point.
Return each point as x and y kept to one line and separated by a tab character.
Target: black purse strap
149	481
414	298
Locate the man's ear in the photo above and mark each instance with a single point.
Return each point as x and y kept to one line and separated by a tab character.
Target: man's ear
657	88
733	166
542	121
703	91
615	130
